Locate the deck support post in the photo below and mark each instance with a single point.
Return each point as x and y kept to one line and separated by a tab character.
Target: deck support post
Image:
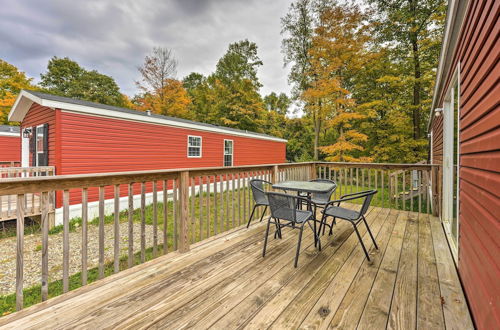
312	171
436	191
184	211
276	174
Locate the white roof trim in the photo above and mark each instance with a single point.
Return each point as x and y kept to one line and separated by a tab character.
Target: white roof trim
14	134
25	100
454	20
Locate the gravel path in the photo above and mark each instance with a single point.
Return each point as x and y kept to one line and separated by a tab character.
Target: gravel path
33	254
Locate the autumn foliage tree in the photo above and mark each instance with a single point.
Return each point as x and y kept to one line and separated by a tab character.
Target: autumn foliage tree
157	71
12	81
337	52
174	101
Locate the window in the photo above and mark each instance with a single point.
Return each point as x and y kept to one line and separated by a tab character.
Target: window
194	146
40	146
39	140
228	152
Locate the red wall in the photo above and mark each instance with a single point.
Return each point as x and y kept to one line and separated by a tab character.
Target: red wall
479	240
90	144
479	244
38	115
10	148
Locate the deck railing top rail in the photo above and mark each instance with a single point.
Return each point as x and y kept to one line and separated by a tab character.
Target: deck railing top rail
14	186
379	166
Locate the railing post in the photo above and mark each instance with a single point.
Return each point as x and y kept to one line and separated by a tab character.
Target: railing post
276	174
184	213
312	171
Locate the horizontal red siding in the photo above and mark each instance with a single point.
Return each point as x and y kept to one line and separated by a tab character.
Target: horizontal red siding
10	148
39	115
479	245
91	144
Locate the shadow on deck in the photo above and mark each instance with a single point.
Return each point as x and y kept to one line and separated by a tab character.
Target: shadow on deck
224	282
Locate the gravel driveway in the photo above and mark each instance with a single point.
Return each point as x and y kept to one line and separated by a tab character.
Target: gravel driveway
33	254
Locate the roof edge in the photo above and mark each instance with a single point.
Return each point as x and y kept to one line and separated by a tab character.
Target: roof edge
13	134
25	99
454	20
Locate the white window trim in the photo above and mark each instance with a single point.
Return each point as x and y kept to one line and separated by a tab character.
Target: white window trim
224	153
36	144
448	145
201	146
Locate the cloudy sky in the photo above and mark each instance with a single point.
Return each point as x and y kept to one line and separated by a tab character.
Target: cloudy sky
114	36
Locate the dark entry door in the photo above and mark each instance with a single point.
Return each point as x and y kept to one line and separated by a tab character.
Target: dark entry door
39	145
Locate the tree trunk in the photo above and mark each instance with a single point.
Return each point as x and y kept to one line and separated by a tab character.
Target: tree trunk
317	124
416	74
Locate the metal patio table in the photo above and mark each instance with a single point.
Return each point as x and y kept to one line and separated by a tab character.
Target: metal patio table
304	186
308	187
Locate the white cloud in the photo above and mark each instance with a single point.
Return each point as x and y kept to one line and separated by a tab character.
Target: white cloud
114	36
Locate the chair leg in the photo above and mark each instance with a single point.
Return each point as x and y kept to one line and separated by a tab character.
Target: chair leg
370	232
298	246
361	241
265	238
251	215
334	221
316	235
322	222
277	233
264	212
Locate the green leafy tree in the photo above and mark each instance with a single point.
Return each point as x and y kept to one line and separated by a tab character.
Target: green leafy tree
67	78
279	103
240	63
412	30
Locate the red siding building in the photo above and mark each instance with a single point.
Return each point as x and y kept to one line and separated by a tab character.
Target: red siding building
10	145
83	137
79	137
465	140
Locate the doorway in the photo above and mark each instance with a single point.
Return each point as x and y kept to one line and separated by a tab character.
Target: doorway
451	164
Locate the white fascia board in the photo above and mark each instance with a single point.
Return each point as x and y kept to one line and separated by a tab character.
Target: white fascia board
455	15
22	105
14	134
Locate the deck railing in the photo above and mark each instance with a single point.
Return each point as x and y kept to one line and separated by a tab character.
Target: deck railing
9	163
149	213
31	200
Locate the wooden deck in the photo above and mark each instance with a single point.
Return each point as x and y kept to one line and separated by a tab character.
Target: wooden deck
224	283
8	206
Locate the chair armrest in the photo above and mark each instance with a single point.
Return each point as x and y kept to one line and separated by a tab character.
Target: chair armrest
354	194
343	199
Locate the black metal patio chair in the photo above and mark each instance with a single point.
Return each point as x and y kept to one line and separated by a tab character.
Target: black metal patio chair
259	197
353	216
284	213
321	199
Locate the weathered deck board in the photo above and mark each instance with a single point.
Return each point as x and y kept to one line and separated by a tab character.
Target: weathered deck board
225	282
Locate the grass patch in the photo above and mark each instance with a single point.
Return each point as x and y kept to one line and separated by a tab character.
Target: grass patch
33	295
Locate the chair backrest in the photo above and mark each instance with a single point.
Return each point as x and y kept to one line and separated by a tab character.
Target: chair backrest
368	196
258	192
283	206
324	197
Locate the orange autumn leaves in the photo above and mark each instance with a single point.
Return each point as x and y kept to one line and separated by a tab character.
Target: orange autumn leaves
12	82
172	100
337	50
